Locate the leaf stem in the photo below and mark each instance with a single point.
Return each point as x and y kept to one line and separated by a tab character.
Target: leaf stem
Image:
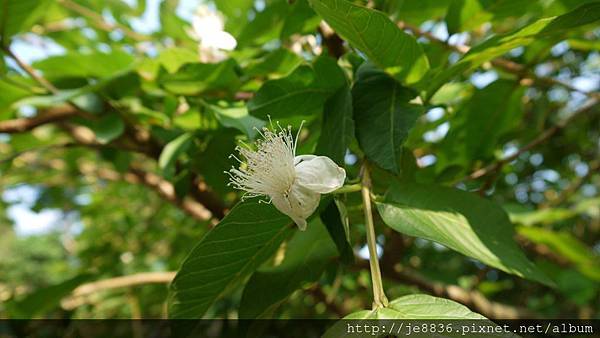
348	188
379	298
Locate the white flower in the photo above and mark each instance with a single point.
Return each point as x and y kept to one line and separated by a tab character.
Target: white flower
293	183
208	29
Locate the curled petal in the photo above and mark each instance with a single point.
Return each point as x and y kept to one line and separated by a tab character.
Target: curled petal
299	204
319	173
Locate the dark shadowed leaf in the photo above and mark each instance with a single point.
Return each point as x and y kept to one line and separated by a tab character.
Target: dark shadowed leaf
337	130
335	218
19	15
306	257
383	116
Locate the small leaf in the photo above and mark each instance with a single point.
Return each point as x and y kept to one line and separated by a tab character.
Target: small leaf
306	257
108	128
374	34
238	118
459	220
225	256
172	150
383	116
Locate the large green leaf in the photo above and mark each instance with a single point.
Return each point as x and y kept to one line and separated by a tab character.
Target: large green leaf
306	257
413	307
459	220
383	116
374	34
302	93
225	256
195	78
19	15
337	130
96	64
499	45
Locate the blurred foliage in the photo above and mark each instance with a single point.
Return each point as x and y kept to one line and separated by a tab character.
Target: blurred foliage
120	117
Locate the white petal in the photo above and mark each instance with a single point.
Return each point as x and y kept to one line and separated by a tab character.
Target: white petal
299	204
319	174
302	158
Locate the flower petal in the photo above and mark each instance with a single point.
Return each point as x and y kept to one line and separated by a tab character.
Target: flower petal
299	204
319	174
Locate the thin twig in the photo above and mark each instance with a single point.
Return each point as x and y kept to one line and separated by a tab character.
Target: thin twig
30	71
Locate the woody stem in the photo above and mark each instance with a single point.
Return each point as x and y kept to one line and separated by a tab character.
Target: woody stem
379	298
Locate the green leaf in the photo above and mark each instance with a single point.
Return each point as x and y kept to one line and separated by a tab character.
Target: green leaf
277	63
196	78
108	128
170	153
11	93
459	220
238	118
499	45
413	307
96	64
227	254
374	34
383	116
302	93
44	299
464	15
337	130
335	218
306	257
567	246
19	15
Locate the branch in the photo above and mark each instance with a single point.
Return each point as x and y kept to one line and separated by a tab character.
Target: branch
20	125
164	188
543	137
572	188
77	297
